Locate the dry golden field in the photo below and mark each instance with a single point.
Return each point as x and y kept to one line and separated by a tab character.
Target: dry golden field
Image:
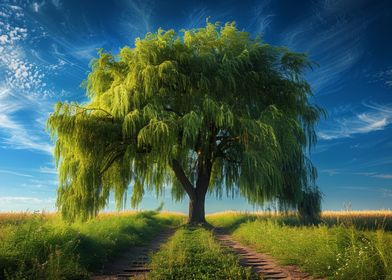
367	219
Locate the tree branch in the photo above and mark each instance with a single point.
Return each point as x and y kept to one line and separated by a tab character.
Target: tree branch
116	154
110	161
226	141
173	111
93	109
181	176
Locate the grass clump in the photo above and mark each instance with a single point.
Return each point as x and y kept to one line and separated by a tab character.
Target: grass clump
192	253
45	247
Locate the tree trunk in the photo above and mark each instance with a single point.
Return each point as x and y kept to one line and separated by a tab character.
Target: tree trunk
197	195
196	213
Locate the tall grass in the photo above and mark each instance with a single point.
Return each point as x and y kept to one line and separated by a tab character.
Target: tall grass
192	253
341	247
17	218
45	247
363	220
359	219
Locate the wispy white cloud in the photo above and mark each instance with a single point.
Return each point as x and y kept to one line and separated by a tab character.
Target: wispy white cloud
330	172
137	17
44	182
375	175
383	176
336	44
324	147
384	76
262	16
197	17
16	135
356	188
69	56
48	170
19	138
86	52
36	6
25	199
14	173
345	171
377	117
40	184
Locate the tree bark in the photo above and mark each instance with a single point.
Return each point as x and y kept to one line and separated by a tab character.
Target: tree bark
197	205
196	213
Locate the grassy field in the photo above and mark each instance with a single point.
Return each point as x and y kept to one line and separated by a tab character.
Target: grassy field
192	253
346	245
362	220
44	247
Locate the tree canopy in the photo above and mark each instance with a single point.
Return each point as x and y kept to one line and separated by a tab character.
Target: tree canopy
210	108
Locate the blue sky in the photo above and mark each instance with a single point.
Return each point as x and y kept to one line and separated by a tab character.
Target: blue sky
46	46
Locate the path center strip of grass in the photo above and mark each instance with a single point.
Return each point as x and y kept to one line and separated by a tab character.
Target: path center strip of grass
193	253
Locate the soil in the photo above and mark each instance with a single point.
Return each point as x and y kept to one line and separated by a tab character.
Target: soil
133	263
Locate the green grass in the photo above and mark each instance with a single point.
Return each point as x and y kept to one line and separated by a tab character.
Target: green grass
192	253
338	251
344	246
44	247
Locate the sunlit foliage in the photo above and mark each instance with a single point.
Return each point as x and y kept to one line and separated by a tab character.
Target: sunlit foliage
215	102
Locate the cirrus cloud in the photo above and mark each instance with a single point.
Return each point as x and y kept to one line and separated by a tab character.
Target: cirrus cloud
378	117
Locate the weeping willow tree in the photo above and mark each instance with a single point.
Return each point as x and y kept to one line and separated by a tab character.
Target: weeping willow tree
208	110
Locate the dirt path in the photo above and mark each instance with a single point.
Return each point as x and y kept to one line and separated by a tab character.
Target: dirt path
133	264
261	264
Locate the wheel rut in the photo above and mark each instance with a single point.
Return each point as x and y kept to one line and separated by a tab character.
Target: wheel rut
265	266
133	264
